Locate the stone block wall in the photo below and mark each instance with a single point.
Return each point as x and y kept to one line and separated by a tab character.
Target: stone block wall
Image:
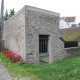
62	52
14	33
40	22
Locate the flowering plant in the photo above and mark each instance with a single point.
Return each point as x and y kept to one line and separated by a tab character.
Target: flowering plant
13	57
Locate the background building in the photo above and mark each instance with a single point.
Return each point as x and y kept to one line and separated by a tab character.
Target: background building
67	22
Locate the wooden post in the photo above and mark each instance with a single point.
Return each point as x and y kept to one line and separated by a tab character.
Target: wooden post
2	13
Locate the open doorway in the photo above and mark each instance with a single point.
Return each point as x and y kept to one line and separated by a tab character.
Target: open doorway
43	48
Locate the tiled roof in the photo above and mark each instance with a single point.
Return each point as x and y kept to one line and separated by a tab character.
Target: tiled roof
68	19
70	34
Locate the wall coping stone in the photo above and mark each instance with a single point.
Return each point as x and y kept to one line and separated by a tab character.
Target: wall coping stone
42	10
33	9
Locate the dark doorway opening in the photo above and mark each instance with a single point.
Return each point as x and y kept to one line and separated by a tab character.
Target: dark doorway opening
43	48
43	44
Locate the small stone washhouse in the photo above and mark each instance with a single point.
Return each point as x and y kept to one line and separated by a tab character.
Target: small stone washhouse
34	34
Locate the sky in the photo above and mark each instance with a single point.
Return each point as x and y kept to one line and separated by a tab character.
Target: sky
64	7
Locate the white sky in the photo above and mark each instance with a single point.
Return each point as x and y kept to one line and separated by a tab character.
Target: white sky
64	7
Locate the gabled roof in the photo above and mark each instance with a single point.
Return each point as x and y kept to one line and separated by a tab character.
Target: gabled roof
70	34
68	19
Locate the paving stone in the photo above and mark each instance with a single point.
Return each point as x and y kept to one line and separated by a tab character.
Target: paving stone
4	75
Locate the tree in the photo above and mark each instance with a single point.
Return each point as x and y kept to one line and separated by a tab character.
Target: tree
12	12
6	17
73	25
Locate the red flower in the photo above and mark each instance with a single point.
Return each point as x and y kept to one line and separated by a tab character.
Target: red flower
13	57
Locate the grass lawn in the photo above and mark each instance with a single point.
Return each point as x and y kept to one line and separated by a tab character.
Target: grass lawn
44	58
67	69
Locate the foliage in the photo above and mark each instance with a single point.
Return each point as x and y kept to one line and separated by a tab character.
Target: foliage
12	56
73	25
44	58
7	16
66	69
12	12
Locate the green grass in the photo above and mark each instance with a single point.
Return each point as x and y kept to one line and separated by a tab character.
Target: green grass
44	58
16	70
66	69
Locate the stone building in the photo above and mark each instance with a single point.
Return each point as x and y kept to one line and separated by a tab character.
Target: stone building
33	33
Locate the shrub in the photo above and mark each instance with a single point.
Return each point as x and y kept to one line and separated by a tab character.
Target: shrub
13	57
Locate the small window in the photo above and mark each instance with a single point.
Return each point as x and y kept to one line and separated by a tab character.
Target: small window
69	44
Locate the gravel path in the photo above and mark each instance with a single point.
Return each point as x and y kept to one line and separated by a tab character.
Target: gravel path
4	75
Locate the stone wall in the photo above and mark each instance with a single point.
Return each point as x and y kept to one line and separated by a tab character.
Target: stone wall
40	22
14	33
65	52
